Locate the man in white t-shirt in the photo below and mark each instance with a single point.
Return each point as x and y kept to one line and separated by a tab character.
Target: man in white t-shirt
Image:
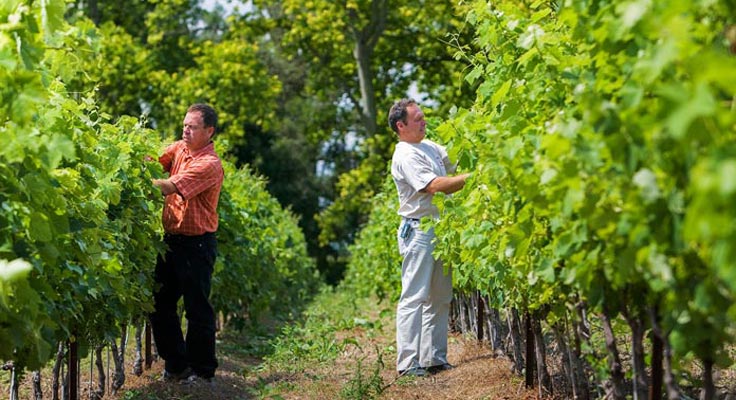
419	168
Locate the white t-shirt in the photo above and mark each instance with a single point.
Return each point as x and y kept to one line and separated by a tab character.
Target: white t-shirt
413	167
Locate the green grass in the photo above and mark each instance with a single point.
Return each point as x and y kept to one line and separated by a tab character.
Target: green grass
312	341
306	346
138	395
365	385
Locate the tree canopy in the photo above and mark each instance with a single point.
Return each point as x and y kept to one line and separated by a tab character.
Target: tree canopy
302	89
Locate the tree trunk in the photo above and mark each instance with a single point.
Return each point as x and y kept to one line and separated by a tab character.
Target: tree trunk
13	395
118	356
514	323
496	330
470	302
366	38
368	113
580	333
37	391
616	382
583	325
138	363
454	314
709	388
460	313
540	350
55	372
99	393
472	313
673	390
488	327
464	314
655	389
569	370
149	345
641	386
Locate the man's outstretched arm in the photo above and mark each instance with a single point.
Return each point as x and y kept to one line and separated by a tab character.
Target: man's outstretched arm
446	184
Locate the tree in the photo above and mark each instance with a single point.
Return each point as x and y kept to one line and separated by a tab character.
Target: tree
302	89
357	52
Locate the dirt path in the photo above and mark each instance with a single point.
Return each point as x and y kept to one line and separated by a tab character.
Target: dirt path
477	375
363	369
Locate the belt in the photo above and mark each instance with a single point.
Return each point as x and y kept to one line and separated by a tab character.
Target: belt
175	238
411	219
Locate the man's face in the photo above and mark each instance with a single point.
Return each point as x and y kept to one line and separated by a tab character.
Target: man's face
414	130
194	133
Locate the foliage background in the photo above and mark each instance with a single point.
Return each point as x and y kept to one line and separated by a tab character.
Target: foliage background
80	217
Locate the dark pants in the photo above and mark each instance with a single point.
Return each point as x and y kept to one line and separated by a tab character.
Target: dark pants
186	270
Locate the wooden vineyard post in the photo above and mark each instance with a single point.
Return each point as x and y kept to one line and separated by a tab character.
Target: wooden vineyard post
149	353
479	317
529	368
73	371
655	389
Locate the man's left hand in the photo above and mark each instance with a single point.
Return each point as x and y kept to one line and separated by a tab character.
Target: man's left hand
167	187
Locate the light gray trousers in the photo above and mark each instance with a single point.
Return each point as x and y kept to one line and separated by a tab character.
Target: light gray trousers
424	306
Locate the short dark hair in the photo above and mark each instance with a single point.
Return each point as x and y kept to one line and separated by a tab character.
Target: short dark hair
209	115
398	112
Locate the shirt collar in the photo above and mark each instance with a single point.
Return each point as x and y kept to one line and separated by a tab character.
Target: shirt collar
204	150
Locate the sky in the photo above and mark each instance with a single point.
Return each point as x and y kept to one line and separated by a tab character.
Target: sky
228	5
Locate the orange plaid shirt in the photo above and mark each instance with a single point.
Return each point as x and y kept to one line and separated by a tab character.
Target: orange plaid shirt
198	178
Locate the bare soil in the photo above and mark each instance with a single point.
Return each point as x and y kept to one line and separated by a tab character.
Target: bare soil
369	358
478	374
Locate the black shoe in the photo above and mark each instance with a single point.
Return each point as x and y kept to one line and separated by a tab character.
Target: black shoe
439	368
197	380
414	371
176	376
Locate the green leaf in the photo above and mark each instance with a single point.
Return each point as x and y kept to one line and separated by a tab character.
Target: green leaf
541	14
512	146
556	146
546	270
547	176
8	60
39	228
473	75
726	177
700	104
8	6
58	147
500	94
527	56
632	12
53	14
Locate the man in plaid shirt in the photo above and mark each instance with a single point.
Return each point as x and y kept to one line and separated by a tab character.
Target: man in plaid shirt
190	222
